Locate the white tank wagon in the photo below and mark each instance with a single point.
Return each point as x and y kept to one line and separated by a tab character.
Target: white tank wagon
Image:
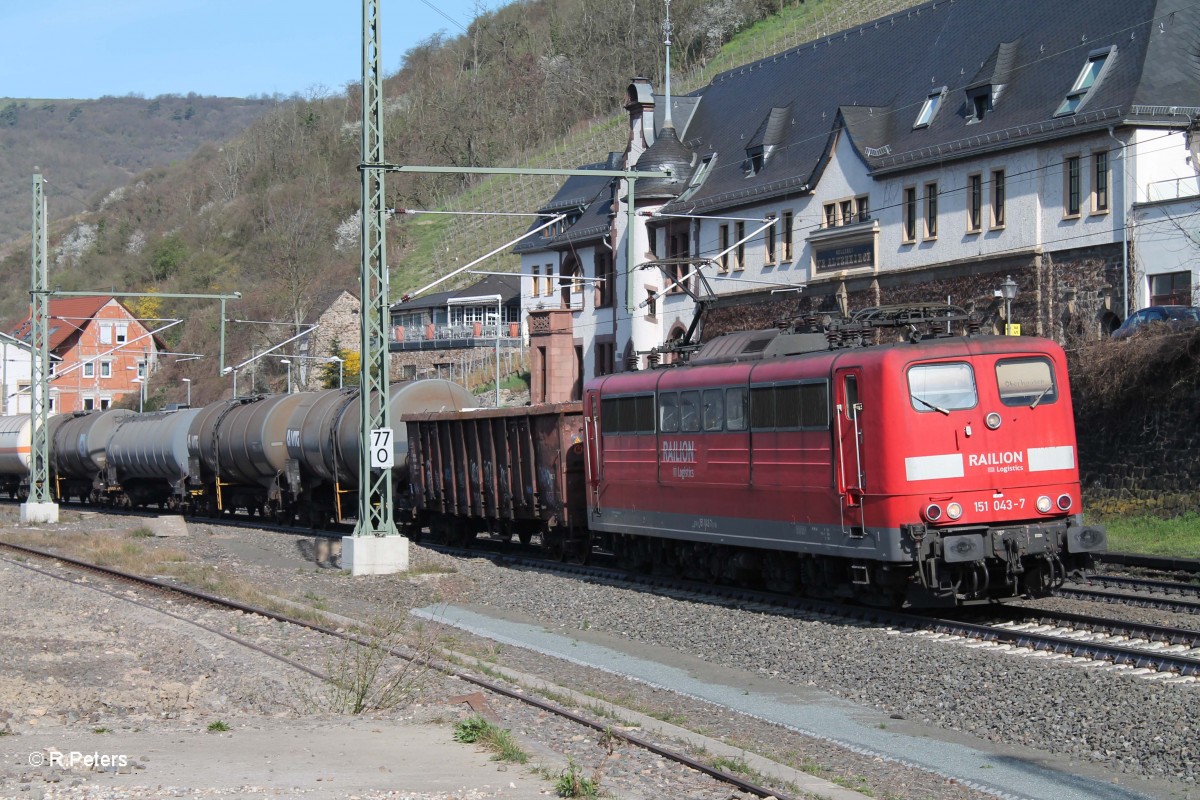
15	433
79	452
148	459
323	440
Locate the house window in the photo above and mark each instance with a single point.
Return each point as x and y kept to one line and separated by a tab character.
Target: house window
910	214
548	284
105	403
89	404
974	203
1088	76
105	369
723	244
740	231
831	215
141	369
1171	289
605	358
89	369
786	236
769	242
931	210
651	302
106	333
1100	182
847	209
122	334
604	279
1071	186
536	274
863	206
930	108
997	198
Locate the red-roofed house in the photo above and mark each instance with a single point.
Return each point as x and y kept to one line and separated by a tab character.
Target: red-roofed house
98	350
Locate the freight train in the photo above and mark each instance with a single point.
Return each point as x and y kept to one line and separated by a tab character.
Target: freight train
930	470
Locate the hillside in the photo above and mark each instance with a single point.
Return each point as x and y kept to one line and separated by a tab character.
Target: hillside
87	148
272	212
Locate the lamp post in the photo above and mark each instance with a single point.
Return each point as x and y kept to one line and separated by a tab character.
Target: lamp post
288	364
188	382
141	382
340	362
1008	290
233	371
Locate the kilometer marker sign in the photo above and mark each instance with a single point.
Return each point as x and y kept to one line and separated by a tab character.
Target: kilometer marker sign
382	455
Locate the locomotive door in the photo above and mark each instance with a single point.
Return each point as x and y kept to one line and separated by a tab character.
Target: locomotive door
592	456
850	473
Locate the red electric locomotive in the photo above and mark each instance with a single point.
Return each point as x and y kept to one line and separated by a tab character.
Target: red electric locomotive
937	470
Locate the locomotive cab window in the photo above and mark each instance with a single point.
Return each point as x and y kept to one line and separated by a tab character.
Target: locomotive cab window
941	388
668	412
736	402
689	411
1026	382
713	410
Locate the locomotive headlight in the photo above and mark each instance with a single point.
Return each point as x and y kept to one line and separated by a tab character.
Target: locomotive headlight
933	512
1043	504
992	420
954	510
1064	502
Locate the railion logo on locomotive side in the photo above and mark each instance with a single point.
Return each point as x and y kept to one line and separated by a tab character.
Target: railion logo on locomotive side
679	452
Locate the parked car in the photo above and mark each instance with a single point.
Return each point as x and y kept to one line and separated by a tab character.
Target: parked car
1174	316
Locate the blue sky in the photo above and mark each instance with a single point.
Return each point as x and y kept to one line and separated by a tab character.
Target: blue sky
79	49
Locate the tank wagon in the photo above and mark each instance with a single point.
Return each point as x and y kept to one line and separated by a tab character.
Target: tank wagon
280	456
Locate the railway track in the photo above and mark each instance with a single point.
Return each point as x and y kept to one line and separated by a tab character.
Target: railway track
1177	597
604	727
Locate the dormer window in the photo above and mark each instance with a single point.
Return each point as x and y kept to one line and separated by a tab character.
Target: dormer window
930	108
979	102
699	176
1089	76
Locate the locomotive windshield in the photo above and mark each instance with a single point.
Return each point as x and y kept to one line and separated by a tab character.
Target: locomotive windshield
1026	382
941	387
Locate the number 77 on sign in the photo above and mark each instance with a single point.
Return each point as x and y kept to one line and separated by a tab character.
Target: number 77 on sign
382	454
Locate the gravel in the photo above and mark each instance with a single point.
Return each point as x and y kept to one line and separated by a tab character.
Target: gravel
1130	726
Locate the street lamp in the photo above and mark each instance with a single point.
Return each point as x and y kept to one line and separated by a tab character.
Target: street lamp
188	382
232	370
288	364
1008	290
340	362
141	382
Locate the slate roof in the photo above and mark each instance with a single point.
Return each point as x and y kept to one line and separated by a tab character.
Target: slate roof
591	195
872	80
507	286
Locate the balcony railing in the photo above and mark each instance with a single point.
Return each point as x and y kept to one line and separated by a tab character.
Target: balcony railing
411	337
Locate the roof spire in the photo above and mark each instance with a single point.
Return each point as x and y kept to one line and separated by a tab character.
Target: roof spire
667	123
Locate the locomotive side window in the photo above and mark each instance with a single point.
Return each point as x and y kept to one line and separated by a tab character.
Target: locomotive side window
735	408
714	409
790	407
941	388
814	405
1026	382
668	412
689	411
627	414
762	407
643	414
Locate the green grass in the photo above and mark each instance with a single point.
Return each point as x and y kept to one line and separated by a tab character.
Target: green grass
1178	536
217	727
477	730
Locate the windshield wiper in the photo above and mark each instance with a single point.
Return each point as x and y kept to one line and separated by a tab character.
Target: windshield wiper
1038	399
928	404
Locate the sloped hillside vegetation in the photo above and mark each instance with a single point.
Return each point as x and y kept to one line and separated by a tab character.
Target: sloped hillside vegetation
1137	412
